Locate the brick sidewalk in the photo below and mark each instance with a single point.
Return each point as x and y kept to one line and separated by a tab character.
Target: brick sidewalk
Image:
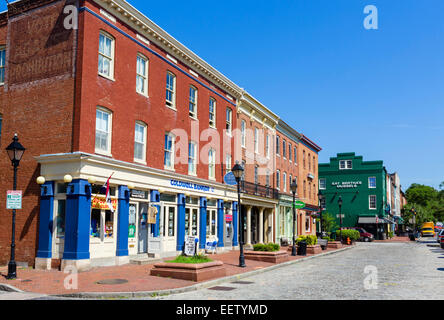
138	277
395	239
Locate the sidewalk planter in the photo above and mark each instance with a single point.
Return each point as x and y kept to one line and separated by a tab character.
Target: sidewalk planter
188	271
314	249
265	256
334	244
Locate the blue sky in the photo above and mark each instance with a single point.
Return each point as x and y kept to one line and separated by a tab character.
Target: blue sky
379	93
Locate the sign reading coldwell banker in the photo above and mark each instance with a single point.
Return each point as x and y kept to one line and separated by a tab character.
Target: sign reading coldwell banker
191	186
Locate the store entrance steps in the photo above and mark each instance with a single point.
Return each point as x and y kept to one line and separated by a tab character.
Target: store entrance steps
144	258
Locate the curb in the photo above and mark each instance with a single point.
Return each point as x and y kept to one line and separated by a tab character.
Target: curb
9	288
156	293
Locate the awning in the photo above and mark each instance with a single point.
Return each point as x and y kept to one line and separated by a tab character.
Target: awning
368	220
385	220
399	220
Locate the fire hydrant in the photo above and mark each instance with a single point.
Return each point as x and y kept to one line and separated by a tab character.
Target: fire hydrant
348	240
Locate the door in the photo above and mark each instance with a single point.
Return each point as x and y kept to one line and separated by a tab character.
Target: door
169	227
143	228
228	227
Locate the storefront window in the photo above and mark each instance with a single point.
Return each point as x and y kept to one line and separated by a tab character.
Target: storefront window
307	224
171	222
61	188
211	222
95	223
132	221
60	221
190	200
109	224
168	197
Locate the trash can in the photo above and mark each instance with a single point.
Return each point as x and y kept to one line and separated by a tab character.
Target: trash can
412	236
302	248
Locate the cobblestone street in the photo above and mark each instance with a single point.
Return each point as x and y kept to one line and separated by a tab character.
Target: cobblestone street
404	271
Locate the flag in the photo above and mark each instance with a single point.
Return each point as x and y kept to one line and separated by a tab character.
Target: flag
107	196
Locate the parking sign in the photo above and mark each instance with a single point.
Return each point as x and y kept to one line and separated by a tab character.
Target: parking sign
14	199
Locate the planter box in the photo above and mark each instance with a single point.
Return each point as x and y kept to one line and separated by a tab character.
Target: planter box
334	244
188	271
314	249
273	257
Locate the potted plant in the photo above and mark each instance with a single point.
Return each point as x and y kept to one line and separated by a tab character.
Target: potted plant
269	252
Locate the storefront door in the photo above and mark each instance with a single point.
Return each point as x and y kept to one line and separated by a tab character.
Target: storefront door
228	230
169	227
143	228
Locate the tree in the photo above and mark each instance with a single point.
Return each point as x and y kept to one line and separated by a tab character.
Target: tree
328	222
420	194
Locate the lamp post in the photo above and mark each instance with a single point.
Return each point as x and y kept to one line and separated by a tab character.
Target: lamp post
238	171
294	188
15	152
320	197
340	217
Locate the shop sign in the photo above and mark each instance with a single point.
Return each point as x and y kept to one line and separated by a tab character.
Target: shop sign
152	213
230	179
229	217
189	248
139	194
346	184
299	204
14	199
100	203
191	186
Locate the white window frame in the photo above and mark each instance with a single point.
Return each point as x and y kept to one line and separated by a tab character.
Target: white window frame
284	178
172	151
289	151
309	224
346	164
143	143
110	58
193	114
192	171
369	185
284	149
243	133
256	140
322	181
278	179
370	202
278	145
212	164
143	76
229	121
267	146
3	66
170	103
295	155
228	162
106	152
212	103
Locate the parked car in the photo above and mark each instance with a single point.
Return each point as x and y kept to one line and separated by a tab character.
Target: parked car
440	235
442	242
364	235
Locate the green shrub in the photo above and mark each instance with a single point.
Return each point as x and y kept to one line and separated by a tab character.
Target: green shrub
390	234
348	233
270	247
309	239
200	258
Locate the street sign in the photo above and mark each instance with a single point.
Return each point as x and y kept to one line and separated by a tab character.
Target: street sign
230	179
299	204
14	199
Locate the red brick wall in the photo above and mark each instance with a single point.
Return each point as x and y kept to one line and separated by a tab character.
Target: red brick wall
37	103
286	164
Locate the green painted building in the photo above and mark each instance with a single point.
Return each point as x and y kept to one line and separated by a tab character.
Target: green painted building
362	187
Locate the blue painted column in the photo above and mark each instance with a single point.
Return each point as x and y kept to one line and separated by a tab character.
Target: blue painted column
235	224
180	236
203	222
155	198
122	221
220	223
46	220
77	220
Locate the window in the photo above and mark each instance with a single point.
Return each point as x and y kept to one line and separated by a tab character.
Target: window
212	109
171	90
60	219
309	162
2	64
192	158
193	102
243	166
267	146
267	179
309	190
140	142
289	183
322	184
305	190
289	152
295	155
372	202
256	140
102	224
372	182
191	227
307	224
278	180
284	178
103	131
323	203
211	222
277	146
212	164
284	150
169	151
228	121
345	164
243	134
303	159
314	165
142	75
106	55
228	162
256	176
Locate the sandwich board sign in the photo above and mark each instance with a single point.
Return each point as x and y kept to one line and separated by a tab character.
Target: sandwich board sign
14	199
189	249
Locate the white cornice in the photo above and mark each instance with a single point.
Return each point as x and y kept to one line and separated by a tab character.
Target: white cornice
130	15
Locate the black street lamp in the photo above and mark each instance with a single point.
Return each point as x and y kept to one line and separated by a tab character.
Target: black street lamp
320	197
340	217
15	152
238	171
294	188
